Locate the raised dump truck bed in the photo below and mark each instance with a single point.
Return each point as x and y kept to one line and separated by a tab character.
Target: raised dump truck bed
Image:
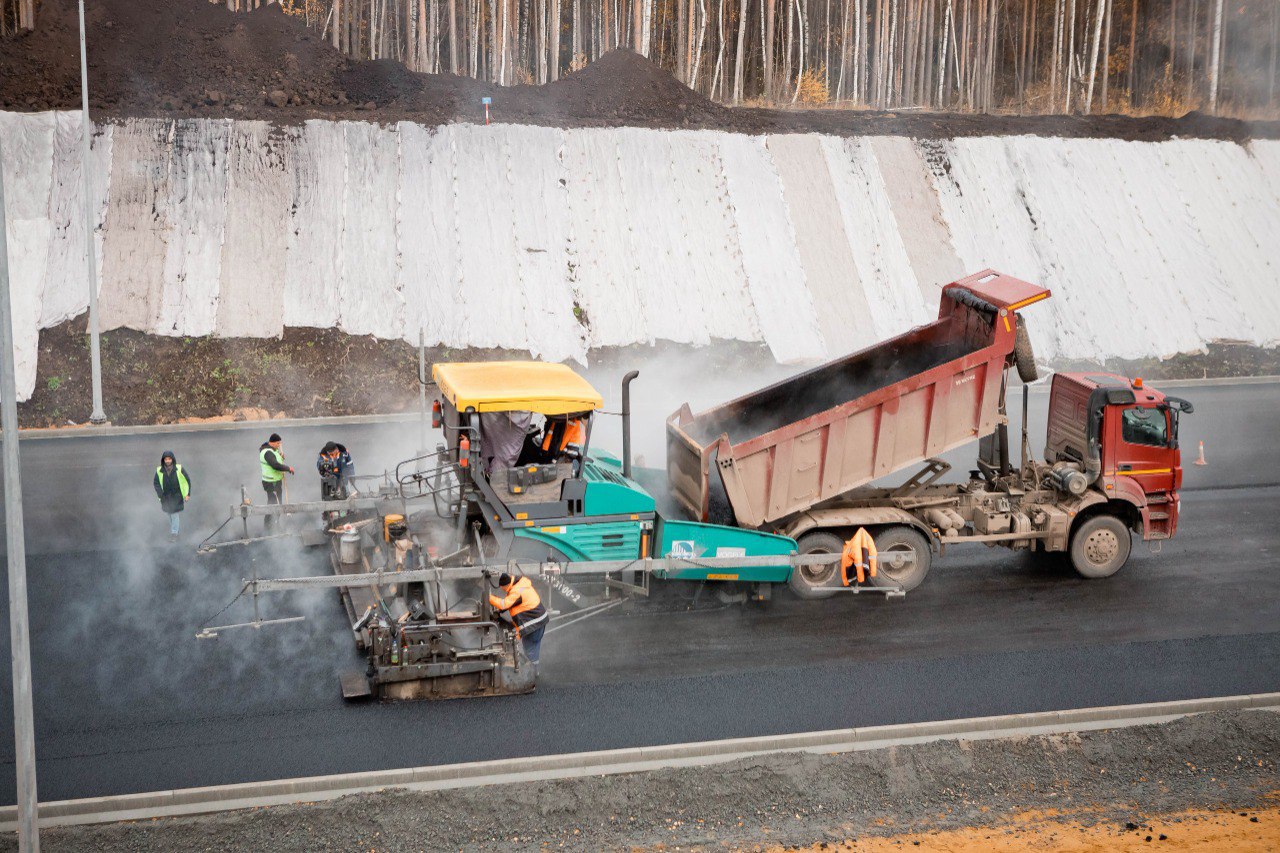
827	431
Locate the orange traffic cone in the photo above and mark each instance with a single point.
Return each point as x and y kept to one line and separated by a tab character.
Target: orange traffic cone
1200	461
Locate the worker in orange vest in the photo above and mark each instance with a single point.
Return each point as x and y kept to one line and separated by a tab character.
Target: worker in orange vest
521	607
860	552
560	432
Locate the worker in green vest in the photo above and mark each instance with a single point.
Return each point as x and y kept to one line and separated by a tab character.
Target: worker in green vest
173	487
271	460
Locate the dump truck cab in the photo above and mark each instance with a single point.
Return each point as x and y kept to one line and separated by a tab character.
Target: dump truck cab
1119	437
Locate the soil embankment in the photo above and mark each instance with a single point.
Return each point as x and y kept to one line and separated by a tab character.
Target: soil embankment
1211	777
150	379
192	58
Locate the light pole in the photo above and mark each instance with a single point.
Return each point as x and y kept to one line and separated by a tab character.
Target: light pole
19	634
91	256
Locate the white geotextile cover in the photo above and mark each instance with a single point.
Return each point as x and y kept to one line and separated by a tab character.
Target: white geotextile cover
554	242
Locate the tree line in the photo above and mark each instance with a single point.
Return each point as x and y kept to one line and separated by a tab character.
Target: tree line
1033	56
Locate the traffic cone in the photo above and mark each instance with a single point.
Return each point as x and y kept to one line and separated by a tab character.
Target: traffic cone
1200	461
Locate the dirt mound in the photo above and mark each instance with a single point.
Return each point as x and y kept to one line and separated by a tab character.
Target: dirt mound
193	58
158	55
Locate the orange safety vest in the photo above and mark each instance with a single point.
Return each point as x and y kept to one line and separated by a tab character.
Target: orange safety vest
859	551
521	597
574	433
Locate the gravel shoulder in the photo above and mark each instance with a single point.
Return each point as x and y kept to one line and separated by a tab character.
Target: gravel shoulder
1107	782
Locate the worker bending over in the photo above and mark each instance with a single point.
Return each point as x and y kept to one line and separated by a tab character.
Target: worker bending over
522	608
271	460
336	470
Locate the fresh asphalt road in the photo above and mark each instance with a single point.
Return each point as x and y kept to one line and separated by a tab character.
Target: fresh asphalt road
127	700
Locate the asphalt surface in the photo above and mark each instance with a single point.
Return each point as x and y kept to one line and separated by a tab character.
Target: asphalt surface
127	700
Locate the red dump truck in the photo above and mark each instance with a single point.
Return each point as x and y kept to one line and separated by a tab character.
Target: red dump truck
798	457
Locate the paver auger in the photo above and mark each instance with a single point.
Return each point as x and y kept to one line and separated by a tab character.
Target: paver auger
792	464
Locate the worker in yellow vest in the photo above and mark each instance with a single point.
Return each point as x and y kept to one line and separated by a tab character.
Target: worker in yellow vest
521	607
271	461
173	487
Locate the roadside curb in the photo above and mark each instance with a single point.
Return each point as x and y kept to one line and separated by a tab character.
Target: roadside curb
87	431
192	801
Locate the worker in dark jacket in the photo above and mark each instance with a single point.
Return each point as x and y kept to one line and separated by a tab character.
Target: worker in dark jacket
271	461
521	607
173	487
336	470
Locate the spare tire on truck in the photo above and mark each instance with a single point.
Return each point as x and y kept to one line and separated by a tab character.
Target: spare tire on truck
1023	357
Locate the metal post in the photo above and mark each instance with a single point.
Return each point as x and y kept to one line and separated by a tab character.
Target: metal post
626	422
422	387
1026	404
98	416
19	633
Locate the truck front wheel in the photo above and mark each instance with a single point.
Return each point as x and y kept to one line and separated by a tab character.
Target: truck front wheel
903	557
812	582
1100	546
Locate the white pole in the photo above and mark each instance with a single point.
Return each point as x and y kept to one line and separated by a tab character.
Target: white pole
422	385
91	256
19	634
1217	58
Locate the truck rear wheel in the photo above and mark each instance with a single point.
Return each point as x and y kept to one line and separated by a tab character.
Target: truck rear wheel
893	546
813	582
1100	546
1023	356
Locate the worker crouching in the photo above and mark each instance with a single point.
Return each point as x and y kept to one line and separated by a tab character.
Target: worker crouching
521	607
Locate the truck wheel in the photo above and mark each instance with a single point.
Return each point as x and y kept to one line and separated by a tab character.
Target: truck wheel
894	542
1023	356
1100	546
812	582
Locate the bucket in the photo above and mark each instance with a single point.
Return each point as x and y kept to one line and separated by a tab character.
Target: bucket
387	521
349	547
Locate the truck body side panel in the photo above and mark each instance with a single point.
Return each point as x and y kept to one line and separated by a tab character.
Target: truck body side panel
822	433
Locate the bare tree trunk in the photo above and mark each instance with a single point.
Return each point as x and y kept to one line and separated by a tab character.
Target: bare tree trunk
1093	54
766	46
739	73
1192	23
1275	37
1133	56
800	14
555	38
942	63
576	41
334	38
1106	57
1071	52
453	37
1055	60
1215	57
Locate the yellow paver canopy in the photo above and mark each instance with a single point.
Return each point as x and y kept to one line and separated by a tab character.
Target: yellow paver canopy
508	386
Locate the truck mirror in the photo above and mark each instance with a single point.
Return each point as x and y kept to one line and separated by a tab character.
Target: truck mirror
1180	404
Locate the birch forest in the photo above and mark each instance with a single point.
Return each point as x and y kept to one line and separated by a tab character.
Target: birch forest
1013	56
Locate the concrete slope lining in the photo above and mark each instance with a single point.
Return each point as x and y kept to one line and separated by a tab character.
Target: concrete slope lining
555	242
